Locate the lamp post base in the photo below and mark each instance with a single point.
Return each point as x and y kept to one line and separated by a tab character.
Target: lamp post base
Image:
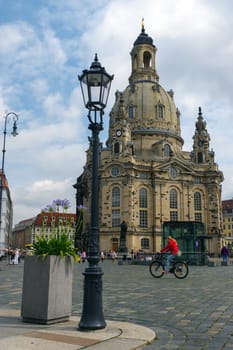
92	314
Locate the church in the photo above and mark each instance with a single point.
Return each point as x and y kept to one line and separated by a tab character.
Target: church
146	180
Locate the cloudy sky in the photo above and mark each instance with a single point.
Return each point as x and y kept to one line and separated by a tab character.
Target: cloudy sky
45	44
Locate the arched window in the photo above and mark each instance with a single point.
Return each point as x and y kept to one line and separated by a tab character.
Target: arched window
131	112
197	207
173	199
197	201
116	197
173	205
143	198
147	59
167	150
116	202
159	111
143	205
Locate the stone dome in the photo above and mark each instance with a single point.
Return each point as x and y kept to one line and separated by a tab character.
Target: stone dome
153	107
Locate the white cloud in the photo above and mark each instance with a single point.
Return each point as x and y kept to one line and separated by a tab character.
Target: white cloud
28	201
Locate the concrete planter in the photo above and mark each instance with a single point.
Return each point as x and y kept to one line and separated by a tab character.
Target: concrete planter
47	289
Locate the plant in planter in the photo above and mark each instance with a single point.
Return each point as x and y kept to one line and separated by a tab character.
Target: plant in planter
59	245
48	277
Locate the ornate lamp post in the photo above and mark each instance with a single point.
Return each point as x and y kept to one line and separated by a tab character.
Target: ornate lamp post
95	86
14	117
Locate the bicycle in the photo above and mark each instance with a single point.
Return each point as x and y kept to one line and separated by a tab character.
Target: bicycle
178	267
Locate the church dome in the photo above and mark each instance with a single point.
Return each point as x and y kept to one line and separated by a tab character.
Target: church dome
149	108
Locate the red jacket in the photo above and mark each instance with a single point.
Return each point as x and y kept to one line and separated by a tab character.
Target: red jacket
171	247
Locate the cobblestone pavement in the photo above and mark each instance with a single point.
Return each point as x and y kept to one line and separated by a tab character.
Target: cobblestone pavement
191	314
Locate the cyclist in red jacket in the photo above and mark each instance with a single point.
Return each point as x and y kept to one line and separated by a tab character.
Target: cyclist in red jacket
171	248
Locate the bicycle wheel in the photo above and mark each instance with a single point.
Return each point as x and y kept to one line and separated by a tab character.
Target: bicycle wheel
156	269
180	269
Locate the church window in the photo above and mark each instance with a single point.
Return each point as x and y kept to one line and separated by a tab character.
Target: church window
173	216
197	201
197	180
198	217
159	111
145	243
131	112
147	59
197	207
167	150
143	218
143	175
143	203
116	197
116	148
143	198
115	217
115	171
173	205
173	199
116	202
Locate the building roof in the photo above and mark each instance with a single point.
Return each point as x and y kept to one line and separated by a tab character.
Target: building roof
227	204
24	224
39	220
53	217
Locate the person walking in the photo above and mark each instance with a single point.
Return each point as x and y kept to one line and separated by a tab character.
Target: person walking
16	257
102	256
224	254
113	255
83	256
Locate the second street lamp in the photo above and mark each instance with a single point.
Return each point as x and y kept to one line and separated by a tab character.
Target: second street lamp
95	86
14	117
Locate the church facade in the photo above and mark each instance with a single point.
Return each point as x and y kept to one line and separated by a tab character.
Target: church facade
145	178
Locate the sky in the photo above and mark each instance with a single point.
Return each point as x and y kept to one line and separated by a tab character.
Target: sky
46	44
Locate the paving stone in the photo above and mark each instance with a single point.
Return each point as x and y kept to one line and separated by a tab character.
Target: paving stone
191	314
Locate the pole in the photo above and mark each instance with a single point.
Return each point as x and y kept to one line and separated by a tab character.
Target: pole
15	118
92	314
2	174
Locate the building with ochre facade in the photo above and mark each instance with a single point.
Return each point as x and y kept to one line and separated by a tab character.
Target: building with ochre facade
145	178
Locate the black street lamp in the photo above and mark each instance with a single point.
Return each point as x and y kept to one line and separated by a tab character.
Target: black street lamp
95	86
14	117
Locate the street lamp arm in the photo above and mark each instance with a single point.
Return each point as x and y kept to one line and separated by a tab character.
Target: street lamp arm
16	117
7	117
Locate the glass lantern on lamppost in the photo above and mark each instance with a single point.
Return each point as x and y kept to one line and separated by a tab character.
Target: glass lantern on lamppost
95	86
